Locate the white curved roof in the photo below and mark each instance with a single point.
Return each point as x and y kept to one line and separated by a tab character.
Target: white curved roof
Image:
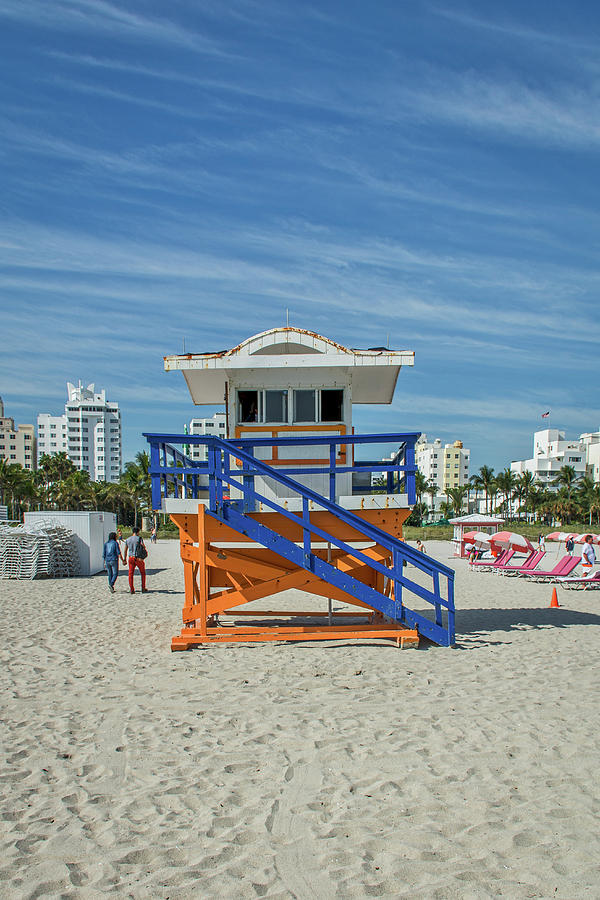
282	341
304	357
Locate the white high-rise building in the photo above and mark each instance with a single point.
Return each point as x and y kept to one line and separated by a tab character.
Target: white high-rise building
89	432
52	434
216	426
550	453
591	444
446	465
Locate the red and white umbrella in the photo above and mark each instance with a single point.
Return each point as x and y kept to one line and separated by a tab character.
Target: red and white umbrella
476	537
560	536
510	539
580	538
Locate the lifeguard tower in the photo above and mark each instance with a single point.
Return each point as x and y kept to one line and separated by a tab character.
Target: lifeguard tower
286	500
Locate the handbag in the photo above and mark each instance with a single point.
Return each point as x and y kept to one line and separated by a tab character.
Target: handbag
141	551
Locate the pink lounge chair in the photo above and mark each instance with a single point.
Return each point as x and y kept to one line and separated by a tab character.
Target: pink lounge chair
560	570
584	583
528	565
490	564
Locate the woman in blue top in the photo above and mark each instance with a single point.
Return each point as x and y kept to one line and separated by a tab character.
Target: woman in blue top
111	555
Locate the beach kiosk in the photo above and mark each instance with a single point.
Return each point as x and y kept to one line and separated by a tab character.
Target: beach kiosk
285	501
473	522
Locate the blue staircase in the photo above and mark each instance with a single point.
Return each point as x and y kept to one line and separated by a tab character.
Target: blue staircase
232	470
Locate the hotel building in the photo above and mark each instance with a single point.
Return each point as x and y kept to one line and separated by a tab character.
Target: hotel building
89	433
17	445
216	426
591	445
551	452
446	466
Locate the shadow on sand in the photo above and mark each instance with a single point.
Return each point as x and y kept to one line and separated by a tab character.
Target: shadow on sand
476	623
484	621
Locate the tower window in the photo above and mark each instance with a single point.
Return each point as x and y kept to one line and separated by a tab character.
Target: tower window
276	406
248	406
305	406
332	402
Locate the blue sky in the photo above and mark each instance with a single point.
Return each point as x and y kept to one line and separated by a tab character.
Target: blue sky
190	170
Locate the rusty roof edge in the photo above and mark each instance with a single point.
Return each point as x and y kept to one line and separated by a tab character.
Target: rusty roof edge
350	351
219	354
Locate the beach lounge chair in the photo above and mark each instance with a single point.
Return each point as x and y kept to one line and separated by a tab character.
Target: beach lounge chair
483	565
528	565
586	582
560	570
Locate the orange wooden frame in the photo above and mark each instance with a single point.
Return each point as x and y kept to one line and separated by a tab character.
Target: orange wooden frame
219	581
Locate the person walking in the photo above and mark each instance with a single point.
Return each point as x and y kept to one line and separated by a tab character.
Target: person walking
153	534
588	555
135	549
570	544
111	556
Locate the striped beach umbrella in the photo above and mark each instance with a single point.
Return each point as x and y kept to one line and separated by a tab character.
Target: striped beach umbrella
511	539
476	537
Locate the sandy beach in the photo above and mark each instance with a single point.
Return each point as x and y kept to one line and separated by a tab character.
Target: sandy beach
346	770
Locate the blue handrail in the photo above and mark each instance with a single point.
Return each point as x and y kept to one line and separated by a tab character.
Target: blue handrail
170	468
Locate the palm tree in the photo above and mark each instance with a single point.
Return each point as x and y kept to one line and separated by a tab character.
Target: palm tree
431	488
446	507
53	473
143	461
4	478
16	484
567	478
587	491
561	505
486	481
116	497
57	467
456	497
416	516
139	484
523	488
593	501
74	492
476	485
506	482
538	498
420	485
424	486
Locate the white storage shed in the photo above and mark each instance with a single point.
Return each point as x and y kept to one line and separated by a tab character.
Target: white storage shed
91	530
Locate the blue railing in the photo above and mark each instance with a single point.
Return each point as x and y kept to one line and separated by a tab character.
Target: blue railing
174	474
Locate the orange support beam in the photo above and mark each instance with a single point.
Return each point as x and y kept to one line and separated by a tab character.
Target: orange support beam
218	579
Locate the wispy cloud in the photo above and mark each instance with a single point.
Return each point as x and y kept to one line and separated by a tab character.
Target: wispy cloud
169	167
516	30
566	116
100	15
171	109
272	265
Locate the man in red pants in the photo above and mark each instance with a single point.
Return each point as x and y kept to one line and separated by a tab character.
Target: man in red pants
134	547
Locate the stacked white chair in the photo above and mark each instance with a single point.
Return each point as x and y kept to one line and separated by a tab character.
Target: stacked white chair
43	549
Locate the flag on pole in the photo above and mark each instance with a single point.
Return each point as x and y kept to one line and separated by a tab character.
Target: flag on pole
545	415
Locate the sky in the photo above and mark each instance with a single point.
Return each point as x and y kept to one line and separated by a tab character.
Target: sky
423	174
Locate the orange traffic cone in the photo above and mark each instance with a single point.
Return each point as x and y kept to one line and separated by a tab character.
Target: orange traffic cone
554	602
